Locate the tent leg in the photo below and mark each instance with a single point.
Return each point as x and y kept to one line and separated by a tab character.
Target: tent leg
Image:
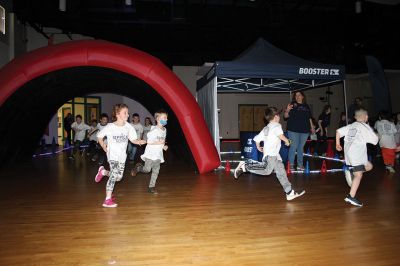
345	100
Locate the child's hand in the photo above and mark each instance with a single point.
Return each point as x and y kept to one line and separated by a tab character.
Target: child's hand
142	142
165	148
261	149
287	142
338	147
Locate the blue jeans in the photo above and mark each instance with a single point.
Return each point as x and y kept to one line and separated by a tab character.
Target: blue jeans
298	142
131	151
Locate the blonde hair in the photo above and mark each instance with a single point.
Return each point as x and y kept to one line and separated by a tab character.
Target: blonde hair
116	109
360	113
160	112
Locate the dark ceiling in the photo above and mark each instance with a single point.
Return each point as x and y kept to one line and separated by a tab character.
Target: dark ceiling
191	32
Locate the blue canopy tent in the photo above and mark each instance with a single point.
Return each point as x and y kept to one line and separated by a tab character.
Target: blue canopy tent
261	68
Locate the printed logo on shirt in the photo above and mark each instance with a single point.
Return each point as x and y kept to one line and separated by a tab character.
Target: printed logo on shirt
121	138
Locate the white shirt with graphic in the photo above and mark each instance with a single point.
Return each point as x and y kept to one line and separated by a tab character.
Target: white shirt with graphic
270	135
356	137
387	133
155	152
80	130
117	140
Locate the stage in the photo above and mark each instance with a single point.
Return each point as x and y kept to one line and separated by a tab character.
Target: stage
51	214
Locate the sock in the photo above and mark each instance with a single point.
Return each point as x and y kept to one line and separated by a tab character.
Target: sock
104	172
107	198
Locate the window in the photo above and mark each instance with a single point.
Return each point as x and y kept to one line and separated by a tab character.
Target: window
3	20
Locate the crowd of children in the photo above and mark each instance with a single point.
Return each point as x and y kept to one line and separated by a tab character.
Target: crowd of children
121	140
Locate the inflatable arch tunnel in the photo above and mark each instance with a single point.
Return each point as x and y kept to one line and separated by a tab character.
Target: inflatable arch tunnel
35	85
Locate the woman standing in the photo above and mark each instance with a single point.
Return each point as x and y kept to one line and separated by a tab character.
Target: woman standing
299	126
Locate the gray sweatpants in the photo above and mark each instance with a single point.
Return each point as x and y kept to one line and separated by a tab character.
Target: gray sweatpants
272	163
154	167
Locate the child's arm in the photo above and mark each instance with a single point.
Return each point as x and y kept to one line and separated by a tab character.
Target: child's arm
338	146
284	139
156	142
92	131
261	149
102	144
138	141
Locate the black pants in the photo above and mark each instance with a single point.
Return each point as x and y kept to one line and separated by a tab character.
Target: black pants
321	144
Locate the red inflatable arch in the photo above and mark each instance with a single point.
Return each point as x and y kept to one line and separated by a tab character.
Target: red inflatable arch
125	59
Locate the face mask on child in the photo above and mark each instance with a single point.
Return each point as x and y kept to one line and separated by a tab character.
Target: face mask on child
163	122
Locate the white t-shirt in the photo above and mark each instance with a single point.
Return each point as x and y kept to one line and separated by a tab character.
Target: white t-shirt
93	137
386	132
397	136
146	130
80	130
272	143
117	140
100	128
356	137
155	152
139	129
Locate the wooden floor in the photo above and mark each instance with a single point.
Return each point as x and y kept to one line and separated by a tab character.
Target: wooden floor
51	214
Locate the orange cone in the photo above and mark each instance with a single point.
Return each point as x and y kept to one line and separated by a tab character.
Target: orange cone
288	171
323	167
227	166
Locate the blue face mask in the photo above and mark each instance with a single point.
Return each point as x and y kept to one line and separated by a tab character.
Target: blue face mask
163	122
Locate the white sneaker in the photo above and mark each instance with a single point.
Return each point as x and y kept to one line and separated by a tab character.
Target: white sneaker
240	169
349	177
293	194
390	169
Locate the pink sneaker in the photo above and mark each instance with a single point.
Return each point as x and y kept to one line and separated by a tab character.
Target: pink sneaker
99	175
109	203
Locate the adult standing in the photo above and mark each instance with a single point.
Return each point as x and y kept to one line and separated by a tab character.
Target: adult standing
299	126
68	120
357	104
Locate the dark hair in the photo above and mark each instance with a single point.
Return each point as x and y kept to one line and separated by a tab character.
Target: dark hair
326	107
151	122
135	114
116	109
78	116
302	93
103	115
384	114
270	113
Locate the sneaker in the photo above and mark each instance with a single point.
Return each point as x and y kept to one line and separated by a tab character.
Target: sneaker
135	169
99	175
293	194
152	190
353	201
240	169
390	169
109	203
300	168
349	177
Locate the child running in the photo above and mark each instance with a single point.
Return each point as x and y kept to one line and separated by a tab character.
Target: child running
356	137
272	135
153	154
387	139
118	133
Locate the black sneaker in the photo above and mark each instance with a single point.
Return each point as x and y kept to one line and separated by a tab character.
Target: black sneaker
353	201
152	190
240	169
